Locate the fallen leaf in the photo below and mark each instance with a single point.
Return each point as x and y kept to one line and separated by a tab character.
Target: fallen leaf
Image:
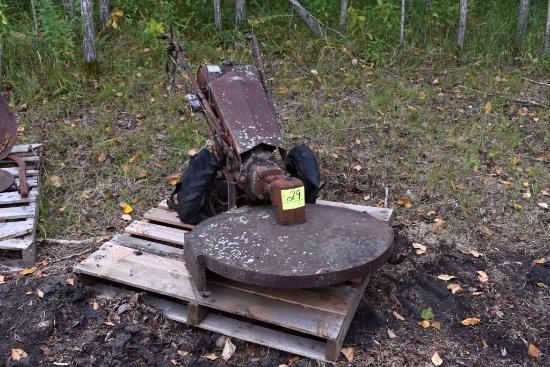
474	253
424	323
173	179
483	277
142	173
95	306
102	157
183	353
314	72
542	260
470	321
135	157
228	350
506	183
174	362
477	293
488	108
127	209
55	181
398	316
541	285
191	152
543	205
109	323
533	351
391	334
39	293
436	359
17	354
437	225
436	325
126	217
526	195
427	314
2	279
455	288
293	359
445	277
422	95
45	350
28	293
484	343
420	249
28	271
349	353
406	202
357	167
70	281
211	357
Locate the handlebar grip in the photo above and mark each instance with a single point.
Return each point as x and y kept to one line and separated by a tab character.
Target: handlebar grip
163	36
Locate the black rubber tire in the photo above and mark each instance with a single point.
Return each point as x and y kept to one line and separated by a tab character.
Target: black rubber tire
301	163
196	185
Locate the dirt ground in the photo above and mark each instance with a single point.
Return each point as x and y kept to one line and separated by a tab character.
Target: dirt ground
56	321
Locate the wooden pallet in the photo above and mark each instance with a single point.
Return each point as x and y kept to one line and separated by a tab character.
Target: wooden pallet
18	215
148	257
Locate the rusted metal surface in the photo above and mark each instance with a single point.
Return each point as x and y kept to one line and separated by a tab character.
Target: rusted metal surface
244	110
6	180
333	245
22	168
8	128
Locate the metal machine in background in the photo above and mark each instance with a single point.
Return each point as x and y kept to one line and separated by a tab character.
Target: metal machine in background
289	243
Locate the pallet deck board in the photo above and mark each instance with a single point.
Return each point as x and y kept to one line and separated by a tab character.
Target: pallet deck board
149	257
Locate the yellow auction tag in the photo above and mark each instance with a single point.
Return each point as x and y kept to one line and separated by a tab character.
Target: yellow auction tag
293	198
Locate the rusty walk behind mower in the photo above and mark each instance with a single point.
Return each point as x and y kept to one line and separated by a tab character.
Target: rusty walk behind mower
287	244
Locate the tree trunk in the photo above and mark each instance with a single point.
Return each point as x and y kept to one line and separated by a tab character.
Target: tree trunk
306	17
35	23
218	15
522	21
547	33
343	12
87	10
462	23
1	54
68	7
104	15
240	11
402	31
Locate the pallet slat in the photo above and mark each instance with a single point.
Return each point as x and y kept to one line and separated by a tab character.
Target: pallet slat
9	198
157	232
18	212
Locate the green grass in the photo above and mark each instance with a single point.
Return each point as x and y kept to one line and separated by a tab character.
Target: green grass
413	119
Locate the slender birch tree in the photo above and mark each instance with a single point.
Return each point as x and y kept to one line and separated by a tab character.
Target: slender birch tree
343	12
103	15
240	11
547	32
88	30
402	30
462	23
218	15
522	21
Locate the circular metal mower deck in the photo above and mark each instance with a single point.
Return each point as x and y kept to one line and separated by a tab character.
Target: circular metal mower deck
333	245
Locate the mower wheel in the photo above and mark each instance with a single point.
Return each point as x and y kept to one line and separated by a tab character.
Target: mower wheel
301	163
196	184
